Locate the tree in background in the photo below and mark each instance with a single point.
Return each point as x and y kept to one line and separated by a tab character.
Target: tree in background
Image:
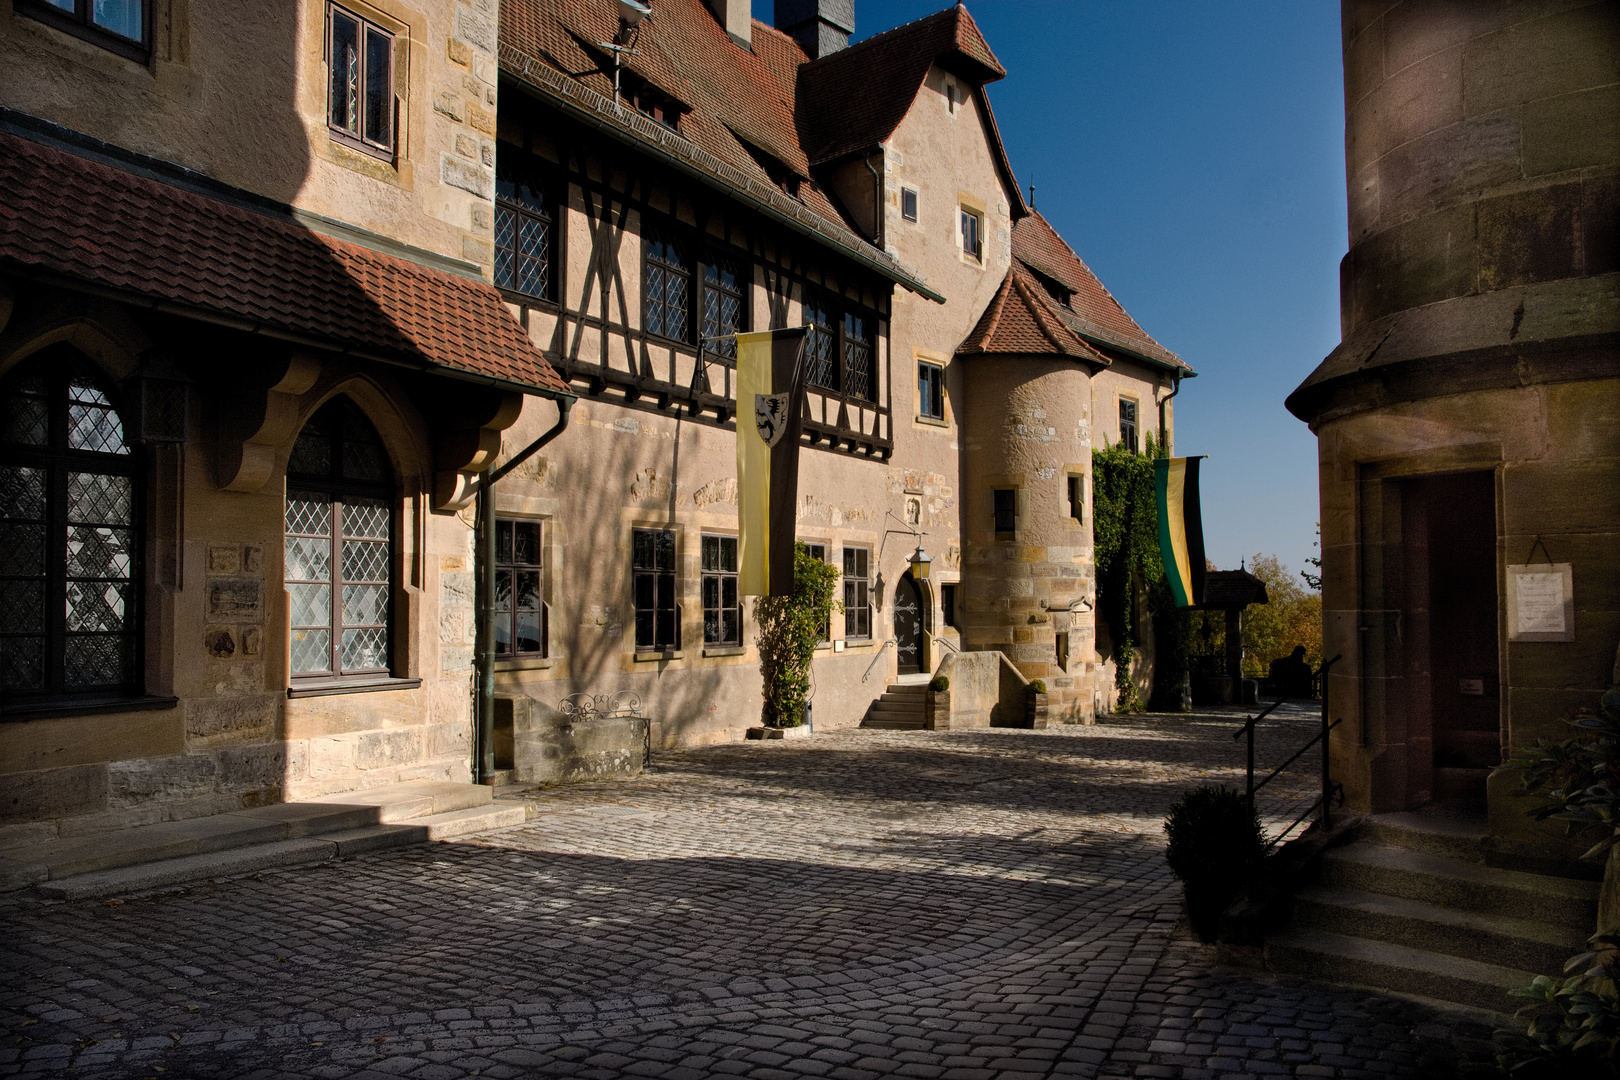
1293	617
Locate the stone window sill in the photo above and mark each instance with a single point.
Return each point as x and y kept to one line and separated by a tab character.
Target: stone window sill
523	663
724	650
329	687
932	421
673	654
34	710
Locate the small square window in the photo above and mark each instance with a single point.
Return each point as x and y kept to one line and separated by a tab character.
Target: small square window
1006	510
930	391
360	93
908	204
972	228
947	605
1077	498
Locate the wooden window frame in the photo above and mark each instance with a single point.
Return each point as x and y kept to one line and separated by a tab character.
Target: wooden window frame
726	350
718	575
657	574
857	594
506	562
359	140
689	273
57	459
909	202
79	22
972	237
339	489
930	390
526	174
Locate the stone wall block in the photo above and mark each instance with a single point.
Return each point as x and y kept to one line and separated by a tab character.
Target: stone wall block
466	176
448	103
475	29
455	658
48	793
1540	58
382	749
1600	224
210	718
332	757
224	559
448	740
235	599
260	766
455	589
1528	237
1450	164
144	780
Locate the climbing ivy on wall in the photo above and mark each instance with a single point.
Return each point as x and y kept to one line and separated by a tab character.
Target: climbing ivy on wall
1125	530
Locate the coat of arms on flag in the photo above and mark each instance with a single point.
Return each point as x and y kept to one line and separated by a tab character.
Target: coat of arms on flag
771	417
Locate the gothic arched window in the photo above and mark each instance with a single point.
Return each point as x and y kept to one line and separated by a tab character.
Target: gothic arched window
70	535
340	546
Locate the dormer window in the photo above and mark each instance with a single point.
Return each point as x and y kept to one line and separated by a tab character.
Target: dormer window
657	106
1055	288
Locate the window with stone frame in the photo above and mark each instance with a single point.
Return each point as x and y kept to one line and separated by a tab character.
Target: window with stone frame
521	628
1004	506
930	391
120	26
652	573
1127	424
857	593
818	552
724	312
666	288
972	234
339	566
360	88
525	229
722	607
70	535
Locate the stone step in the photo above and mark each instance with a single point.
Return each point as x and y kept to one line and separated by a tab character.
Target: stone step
69	857
1467	886
1328	957
893	725
886	708
906	693
1453	838
1517	943
304	851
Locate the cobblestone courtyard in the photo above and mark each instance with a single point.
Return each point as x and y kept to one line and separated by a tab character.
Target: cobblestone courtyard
860	904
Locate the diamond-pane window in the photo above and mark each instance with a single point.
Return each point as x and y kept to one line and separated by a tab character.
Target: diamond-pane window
69	534
338	563
666	287
722	308
821	344
858	357
523	228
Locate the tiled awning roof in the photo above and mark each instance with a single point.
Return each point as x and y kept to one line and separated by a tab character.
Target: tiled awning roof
77	218
1022	320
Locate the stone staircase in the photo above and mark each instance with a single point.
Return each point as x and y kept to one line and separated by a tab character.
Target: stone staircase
1412	907
285	834
901	708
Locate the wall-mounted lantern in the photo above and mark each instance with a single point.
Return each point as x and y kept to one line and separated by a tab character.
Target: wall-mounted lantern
920	563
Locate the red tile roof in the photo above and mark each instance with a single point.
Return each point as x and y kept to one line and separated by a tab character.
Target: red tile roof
68	215
1023	320
1092	310
854	99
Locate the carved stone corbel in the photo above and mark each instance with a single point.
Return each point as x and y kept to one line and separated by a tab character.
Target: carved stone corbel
468	448
257	421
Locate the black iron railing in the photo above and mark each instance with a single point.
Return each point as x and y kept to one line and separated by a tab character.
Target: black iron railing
1329	787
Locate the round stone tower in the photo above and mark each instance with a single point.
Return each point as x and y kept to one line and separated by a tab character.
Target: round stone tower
1469	422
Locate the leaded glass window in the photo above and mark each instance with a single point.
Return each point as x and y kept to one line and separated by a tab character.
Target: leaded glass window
858	381
857	592
652	573
360	97
667	289
520	615
722	308
821	344
69	534
523	232
722	608
339	545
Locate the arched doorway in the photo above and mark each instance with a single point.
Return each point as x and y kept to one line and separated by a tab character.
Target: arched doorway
910	619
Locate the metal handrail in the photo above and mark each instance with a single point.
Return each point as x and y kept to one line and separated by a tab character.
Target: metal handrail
937	640
878	656
1329	787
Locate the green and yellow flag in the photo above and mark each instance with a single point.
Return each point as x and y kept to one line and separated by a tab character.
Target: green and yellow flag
1181	528
769	411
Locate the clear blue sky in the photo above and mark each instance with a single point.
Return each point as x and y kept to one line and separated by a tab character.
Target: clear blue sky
1193	154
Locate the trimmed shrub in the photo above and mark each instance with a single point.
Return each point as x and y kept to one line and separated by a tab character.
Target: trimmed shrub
939	684
1037	686
1215	846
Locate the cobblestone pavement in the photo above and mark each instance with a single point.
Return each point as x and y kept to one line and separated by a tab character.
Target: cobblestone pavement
860	904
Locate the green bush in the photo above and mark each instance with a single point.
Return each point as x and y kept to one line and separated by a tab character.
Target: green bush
788	627
1577	780
1215	845
1036	686
939	684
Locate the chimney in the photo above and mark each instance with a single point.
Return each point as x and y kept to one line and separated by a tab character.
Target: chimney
738	18
821	27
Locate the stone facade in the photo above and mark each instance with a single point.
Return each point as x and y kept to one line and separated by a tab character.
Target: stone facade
1468	421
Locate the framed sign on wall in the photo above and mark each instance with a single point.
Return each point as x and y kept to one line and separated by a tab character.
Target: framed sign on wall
1541	602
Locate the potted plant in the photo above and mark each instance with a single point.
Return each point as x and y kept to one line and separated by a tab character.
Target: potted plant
939	703
788	629
1215	847
1035	704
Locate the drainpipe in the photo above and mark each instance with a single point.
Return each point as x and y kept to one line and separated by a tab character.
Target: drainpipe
484	574
1164	445
877	199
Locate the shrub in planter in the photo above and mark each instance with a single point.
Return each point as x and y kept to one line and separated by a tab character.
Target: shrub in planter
939	684
1215	845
